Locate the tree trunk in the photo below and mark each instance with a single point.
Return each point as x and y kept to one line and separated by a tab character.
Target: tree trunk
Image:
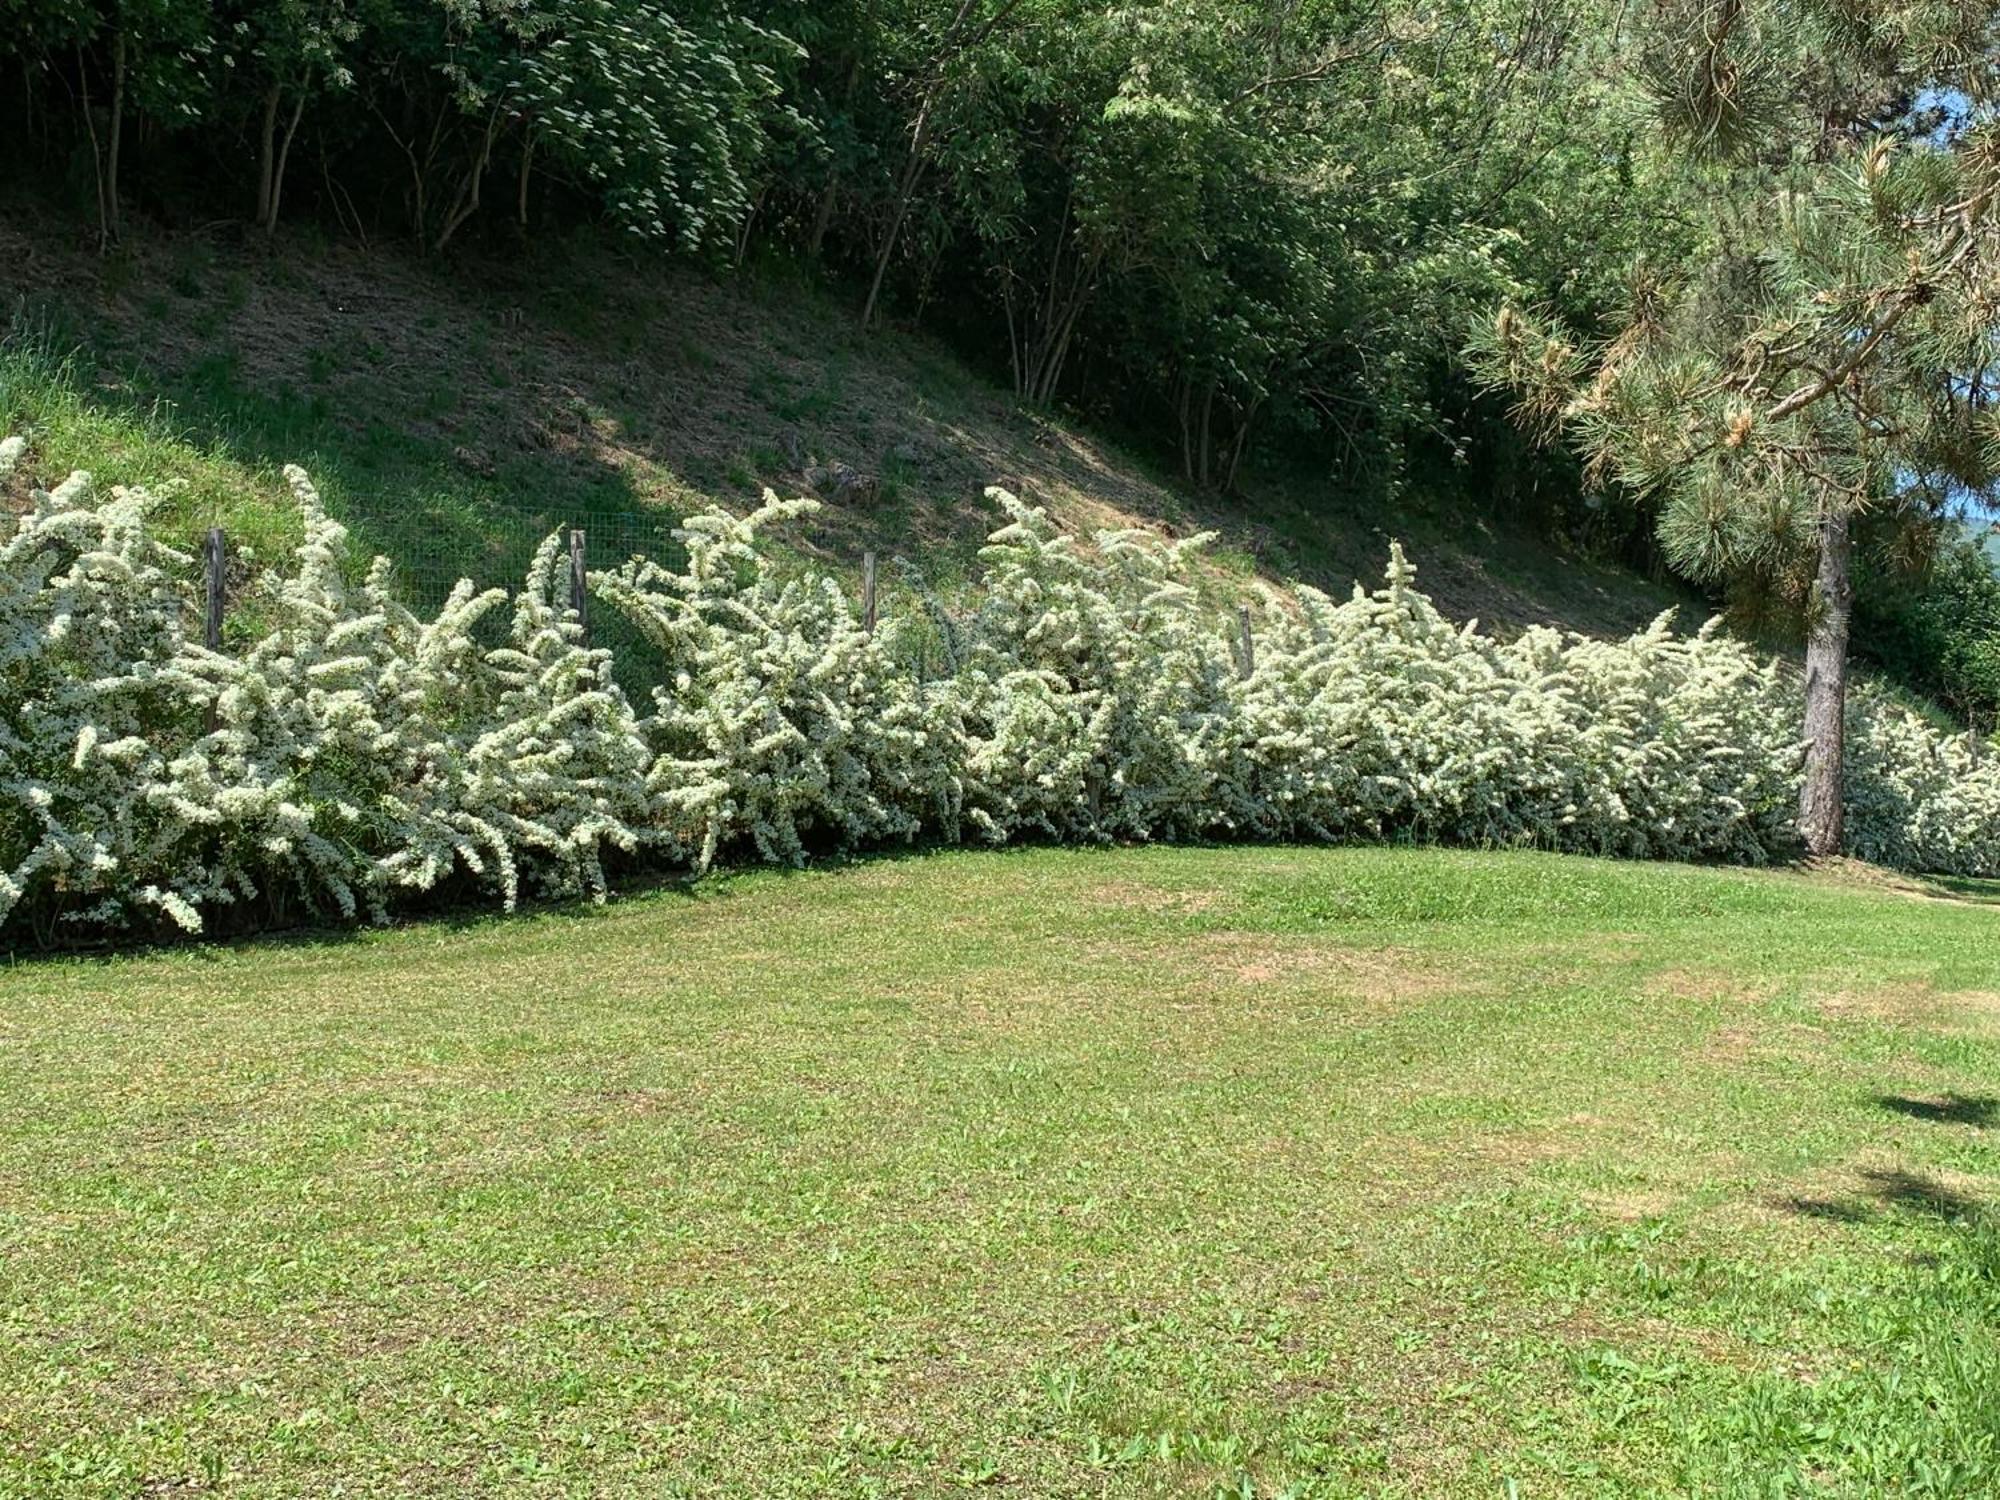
1015	354
1205	468
521	189
267	155
117	135
823	215
96	152
920	135
1821	805
749	224
906	191
1187	426
466	203
822	221
278	172
1239	445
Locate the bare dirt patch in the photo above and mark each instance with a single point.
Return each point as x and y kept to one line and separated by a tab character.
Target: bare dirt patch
1252	960
1135	897
1918	1003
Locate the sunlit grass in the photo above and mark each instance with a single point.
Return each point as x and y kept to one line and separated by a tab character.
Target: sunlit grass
1317	1172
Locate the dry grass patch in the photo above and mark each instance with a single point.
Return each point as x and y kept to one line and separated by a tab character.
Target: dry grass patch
1700	983
1129	896
1915	1003
1308	967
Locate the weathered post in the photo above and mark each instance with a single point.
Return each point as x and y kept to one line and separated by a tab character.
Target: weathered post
211	613
868	592
1249	646
215	582
579	594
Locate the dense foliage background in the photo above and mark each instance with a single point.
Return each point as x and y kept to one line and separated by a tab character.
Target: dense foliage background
1243	231
1220	223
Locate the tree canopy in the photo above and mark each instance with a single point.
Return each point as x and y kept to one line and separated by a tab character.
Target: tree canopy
1816	369
1742	243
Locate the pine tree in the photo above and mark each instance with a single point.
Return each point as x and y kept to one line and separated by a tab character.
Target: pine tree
1814	371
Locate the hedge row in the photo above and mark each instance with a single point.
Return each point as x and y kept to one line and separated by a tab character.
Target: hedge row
359	756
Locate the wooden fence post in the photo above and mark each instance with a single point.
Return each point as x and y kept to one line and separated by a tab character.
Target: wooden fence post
215	582
211	613
579	595
868	592
1249	645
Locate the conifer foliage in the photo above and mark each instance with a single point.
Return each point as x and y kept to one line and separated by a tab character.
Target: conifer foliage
358	757
1818	376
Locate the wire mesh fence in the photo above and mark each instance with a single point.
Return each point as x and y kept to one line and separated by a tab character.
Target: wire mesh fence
428	561
429	564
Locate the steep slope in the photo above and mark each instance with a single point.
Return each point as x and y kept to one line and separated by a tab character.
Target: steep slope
454	414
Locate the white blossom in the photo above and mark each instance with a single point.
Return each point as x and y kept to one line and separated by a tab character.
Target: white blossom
356	756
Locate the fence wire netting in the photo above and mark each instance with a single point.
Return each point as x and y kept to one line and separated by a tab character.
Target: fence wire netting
429	558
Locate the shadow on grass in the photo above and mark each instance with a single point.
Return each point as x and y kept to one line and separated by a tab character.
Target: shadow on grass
1887	1192
1979	1110
1890	1190
454	910
1964	888
428	432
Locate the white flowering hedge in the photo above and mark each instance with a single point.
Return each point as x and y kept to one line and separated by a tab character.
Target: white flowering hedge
358	756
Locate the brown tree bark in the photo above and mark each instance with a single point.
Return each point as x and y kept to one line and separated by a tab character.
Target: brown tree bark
466	203
267	154
96	153
1821	802
117	135
278	172
521	187
906	192
956	40
829	195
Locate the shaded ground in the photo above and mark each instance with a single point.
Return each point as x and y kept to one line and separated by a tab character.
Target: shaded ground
456	414
1118	1173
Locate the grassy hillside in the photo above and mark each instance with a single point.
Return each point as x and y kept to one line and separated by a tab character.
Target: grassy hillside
1147	1172
455	414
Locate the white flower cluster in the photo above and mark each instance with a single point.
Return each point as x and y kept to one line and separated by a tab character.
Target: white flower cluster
353	753
780	722
357	754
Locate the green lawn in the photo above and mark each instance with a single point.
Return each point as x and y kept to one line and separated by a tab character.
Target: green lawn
1123	1173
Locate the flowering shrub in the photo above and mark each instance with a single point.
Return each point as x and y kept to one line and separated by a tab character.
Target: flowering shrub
357	755
781	719
355	752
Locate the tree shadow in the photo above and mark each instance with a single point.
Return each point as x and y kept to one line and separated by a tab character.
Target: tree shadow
1969	889
1833	1210
1894	1188
1978	1111
456	412
1889	1191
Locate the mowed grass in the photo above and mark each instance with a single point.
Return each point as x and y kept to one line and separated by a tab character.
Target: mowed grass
1115	1173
